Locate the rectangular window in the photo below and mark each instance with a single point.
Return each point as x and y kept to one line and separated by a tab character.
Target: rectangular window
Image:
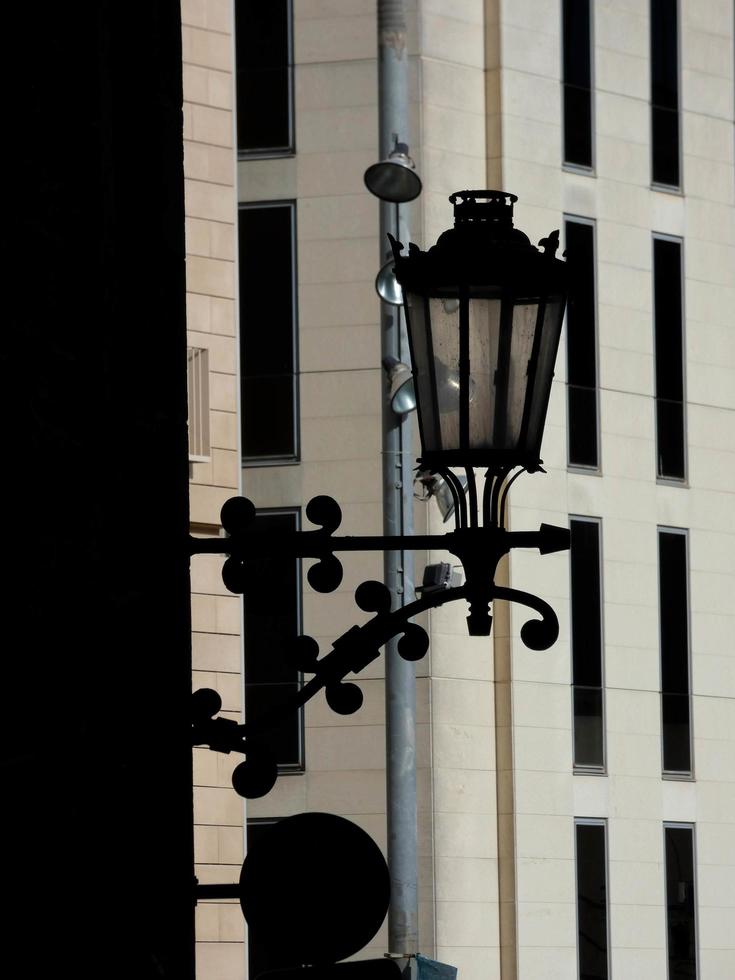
581	343
681	903
674	643
263	39
197	391
665	165
592	932
577	82
271	621
587	645
668	320
260	957
268	340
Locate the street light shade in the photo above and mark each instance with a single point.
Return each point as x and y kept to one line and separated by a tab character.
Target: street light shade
484	310
387	286
394	179
402	394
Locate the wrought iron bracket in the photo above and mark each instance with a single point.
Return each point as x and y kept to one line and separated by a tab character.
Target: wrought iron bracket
479	549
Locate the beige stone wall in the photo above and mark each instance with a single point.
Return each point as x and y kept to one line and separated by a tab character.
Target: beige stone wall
209	170
633	797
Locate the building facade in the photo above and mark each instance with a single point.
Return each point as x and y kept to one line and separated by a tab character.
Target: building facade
577	806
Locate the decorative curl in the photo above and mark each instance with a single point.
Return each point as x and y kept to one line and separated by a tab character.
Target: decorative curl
537	634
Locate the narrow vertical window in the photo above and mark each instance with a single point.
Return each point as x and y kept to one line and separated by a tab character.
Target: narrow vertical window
272	618
577	82
668	322
586	640
581	344
268	348
592	933
681	903
264	77
665	164
674	643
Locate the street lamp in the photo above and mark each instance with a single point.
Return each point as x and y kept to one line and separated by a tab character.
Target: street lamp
394	179
401	392
484	310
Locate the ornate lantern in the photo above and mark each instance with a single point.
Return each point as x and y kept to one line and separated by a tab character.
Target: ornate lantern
484	310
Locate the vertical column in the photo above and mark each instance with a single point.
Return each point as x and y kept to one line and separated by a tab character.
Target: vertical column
400	684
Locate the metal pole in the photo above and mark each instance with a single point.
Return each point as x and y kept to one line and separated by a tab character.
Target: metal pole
400	680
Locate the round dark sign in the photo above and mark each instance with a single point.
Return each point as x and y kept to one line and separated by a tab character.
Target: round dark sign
315	889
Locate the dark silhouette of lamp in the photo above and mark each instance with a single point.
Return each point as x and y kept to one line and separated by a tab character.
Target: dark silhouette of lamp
484	310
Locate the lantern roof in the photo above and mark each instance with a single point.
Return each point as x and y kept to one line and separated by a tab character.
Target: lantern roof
482	251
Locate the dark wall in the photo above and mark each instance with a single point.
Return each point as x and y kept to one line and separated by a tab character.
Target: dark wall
96	859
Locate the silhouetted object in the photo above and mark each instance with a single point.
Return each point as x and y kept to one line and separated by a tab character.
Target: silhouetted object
484	310
493	304
315	889
96	816
479	548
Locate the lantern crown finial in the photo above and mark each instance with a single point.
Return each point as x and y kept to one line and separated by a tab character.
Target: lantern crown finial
483	206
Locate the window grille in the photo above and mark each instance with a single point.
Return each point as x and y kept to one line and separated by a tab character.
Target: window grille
197	386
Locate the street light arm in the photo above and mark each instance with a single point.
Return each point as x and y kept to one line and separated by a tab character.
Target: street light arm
350	653
479	549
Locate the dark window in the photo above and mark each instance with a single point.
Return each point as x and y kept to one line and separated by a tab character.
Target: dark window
665	93
264	76
268	352
260	957
586	639
674	630
591	901
577	82
680	903
271	620
581	344
669	358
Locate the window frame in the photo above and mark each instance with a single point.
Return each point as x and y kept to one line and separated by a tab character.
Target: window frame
579	168
300	766
676	189
271	153
583	467
592	822
677	775
692	828
673	481
286	459
582	769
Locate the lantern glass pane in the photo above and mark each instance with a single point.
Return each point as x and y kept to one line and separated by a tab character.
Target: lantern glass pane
484	343
445	339
419	327
541	387
523	331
